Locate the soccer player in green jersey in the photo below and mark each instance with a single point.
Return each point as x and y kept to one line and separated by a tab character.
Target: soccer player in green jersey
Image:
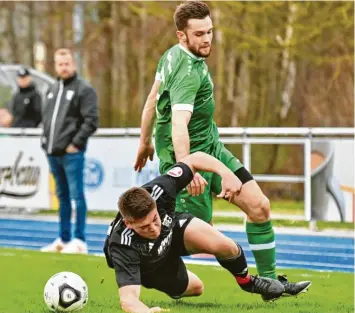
182	103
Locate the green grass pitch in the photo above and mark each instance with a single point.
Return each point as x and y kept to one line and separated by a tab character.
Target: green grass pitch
24	274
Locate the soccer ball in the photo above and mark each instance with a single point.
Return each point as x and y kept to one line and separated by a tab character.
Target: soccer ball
65	292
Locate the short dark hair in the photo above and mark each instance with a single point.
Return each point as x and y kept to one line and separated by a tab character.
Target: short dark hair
135	203
189	10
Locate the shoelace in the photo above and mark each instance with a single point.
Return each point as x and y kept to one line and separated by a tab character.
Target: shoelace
283	279
260	285
289	286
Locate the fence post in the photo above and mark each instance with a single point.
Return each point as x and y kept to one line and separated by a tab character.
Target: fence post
246	160
246	153
307	181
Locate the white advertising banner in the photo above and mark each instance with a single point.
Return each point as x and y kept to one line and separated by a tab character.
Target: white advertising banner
109	171
25	180
24	173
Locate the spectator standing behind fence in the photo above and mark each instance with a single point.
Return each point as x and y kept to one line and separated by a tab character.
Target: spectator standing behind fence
69	119
24	108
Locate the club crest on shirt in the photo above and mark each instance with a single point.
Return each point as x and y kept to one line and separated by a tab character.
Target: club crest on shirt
167	220
175	171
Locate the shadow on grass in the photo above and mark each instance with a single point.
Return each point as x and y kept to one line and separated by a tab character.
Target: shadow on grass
193	306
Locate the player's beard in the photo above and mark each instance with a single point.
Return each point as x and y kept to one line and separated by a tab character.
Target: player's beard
195	51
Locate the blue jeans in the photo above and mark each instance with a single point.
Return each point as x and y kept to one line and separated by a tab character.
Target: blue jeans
68	172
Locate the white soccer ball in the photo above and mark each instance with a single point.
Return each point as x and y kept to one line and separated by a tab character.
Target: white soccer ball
65	292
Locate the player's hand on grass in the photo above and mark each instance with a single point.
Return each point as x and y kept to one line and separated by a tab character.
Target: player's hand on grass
145	151
231	187
197	185
157	309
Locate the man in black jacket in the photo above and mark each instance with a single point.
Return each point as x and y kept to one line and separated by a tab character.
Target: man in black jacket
69	119
24	107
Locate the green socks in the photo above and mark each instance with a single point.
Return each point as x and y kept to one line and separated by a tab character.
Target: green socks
261	240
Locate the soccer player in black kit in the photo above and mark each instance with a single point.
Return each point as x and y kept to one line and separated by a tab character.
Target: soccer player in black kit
147	239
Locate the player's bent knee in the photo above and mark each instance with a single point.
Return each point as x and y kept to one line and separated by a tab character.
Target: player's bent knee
199	289
259	211
226	249
195	287
265	206
221	247
233	248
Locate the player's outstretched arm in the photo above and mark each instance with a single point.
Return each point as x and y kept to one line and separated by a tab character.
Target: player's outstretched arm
146	148
181	142
200	161
129	297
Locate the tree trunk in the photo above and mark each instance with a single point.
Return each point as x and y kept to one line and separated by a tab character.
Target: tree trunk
49	37
288	76
68	22
218	90
231	73
239	67
243	85
61	24
288	64
12	38
115	72
31	33
123	101
142	64
105	86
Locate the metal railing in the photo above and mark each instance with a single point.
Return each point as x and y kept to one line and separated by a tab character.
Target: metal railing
302	136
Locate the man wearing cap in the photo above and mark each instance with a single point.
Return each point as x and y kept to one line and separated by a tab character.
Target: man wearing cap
24	108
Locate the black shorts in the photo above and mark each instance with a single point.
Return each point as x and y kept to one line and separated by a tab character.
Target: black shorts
171	277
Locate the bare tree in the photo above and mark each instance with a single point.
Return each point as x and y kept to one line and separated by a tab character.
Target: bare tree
220	66
123	43
288	72
115	69
142	57
11	32
31	32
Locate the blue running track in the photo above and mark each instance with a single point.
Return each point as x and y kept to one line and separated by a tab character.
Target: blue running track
317	252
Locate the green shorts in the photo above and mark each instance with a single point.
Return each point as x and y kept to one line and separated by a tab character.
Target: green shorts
201	206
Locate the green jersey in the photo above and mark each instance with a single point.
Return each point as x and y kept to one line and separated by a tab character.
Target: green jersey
185	85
